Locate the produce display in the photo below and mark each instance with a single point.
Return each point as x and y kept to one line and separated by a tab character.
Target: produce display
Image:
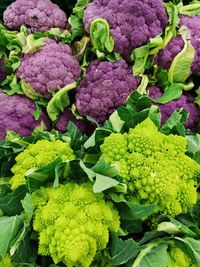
100	133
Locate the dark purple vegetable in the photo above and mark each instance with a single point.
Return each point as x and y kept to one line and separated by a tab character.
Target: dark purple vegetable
132	22
36	15
186	101
50	68
104	88
16	114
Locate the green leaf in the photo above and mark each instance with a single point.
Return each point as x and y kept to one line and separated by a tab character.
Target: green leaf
35	178
175	123
10	203
175	227
59	101
103	183
193	148
31	44
116	122
29	91
79	47
197	99
154	255
131	210
180	68
100	36
174	91
143	85
190	10
123	250
10	226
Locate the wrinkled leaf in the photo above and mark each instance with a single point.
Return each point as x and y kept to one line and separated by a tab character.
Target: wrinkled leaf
174	91
10	226
154	255
123	250
59	101
193	148
181	65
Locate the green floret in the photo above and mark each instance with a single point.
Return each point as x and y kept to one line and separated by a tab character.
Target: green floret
73	223
155	168
6	262
177	258
36	156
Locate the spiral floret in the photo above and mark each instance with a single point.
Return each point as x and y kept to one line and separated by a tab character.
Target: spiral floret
73	223
155	168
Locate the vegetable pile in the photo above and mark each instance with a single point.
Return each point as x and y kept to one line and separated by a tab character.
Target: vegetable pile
100	133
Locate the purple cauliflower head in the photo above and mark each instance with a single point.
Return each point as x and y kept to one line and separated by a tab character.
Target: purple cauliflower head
165	57
132	22
50	68
36	15
186	101
104	88
67	116
2	70
16	114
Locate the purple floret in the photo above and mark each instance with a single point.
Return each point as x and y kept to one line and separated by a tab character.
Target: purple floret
104	88
16	114
186	102
67	116
132	22
36	15
2	70
52	67
165	57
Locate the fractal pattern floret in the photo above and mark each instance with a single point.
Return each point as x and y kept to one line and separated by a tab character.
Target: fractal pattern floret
73	223
36	156
155	167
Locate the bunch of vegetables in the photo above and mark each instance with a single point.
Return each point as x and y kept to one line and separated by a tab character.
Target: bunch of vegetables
99	135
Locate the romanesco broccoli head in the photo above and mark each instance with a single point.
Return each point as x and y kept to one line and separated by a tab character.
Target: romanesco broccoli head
6	262
73	223
36	156
155	167
177	258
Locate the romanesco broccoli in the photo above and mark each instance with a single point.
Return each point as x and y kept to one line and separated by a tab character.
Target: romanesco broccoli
6	262
155	167
177	258
36	156
73	223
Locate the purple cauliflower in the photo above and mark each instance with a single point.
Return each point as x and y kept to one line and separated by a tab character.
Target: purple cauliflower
174	47
104	88
67	116
132	22
186	101
16	114
36	15
52	67
2	70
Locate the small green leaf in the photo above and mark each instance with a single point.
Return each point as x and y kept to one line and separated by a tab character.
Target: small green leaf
180	68
174	91
154	255
10	227
103	183
59	101
123	250
190	10
29	91
100	35
197	99
193	148
10	203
